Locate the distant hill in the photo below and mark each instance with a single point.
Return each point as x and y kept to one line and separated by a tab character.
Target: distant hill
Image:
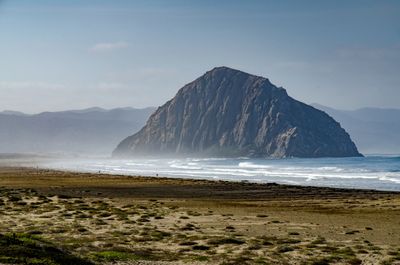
87	131
227	112
374	130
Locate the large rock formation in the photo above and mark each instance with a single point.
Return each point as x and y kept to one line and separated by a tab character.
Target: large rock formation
227	112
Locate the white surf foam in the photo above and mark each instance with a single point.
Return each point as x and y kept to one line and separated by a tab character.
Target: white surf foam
380	172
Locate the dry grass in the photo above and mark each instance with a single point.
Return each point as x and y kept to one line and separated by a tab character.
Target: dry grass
105	218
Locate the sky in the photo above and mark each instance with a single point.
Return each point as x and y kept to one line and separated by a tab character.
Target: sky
58	55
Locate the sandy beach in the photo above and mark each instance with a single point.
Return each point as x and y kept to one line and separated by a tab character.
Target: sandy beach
103	219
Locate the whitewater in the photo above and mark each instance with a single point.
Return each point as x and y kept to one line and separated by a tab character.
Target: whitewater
370	172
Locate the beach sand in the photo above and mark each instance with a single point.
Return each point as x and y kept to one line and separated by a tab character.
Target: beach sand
147	220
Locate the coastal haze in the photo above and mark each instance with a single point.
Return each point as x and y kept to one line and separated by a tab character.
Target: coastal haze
225	125
374	130
93	131
199	132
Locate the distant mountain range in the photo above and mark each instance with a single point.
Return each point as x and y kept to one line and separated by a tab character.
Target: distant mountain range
87	131
374	130
227	112
98	131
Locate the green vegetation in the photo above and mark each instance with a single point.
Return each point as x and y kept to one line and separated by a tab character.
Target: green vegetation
30	249
113	256
50	229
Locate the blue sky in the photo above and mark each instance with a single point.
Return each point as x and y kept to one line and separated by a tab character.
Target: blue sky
58	55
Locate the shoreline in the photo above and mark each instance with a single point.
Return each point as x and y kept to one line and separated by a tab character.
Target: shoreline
262	190
107	173
322	174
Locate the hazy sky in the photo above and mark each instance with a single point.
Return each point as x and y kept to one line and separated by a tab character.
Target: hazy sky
57	55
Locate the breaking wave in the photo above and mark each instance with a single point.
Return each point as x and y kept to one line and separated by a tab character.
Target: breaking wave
375	172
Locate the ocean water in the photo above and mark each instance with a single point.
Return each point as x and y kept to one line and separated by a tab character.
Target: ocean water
371	172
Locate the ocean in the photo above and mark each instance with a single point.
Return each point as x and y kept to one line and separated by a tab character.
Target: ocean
370	172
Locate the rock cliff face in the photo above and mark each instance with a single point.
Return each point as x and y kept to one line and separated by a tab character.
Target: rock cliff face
227	112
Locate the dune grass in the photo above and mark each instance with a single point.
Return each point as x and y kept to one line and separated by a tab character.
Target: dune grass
58	224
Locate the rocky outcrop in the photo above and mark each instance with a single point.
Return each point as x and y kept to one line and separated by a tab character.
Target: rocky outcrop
227	112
